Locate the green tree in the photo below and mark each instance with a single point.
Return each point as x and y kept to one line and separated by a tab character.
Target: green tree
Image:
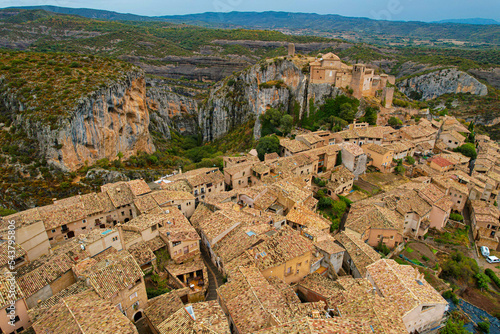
483	327
286	124
468	149
371	115
394	122
482	280
338	162
454	326
268	144
325	203
339	208
399	168
471	138
410	159
335	225
347	112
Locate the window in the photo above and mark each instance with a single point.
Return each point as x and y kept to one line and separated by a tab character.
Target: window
50	239
179	207
153	228
53	231
84	221
83	228
123	213
176	243
134	295
115	238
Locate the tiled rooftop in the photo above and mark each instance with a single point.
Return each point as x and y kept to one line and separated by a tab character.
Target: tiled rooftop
36	279
8	288
248	296
377	148
403	285
114	273
119	193
204	317
361	254
353	149
138	187
84	313
41	308
440	161
162	307
142	253
363	217
303	216
4	252
294	146
283	246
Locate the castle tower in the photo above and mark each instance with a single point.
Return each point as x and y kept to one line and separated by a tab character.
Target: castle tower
383	80
358	78
291	50
387	96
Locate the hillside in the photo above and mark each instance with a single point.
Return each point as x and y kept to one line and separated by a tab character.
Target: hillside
352	28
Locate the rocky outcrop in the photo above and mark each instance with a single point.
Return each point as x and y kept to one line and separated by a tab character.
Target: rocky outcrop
110	120
276	84
434	84
212	68
171	110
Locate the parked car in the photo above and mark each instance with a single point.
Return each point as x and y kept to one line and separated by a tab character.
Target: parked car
492	259
485	251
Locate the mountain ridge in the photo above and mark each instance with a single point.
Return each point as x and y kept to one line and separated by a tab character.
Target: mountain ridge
331	25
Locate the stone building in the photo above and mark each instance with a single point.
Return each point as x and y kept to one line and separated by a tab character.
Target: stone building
363	81
354	159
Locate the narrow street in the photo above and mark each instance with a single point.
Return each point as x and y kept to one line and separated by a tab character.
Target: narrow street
214	277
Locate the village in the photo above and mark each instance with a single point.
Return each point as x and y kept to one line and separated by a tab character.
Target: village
339	232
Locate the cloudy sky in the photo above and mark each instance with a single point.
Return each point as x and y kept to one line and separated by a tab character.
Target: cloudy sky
421	10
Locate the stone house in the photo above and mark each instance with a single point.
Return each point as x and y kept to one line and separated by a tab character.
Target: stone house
202	181
341	180
13	320
354	159
50	274
30	232
85	312
452	139
421	307
485	220
379	156
358	255
128	293
286	255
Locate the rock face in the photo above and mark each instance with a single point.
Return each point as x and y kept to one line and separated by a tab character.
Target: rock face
250	93
112	119
170	110
434	84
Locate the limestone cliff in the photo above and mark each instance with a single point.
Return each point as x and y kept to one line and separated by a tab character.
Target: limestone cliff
110	120
279	83
434	84
171	110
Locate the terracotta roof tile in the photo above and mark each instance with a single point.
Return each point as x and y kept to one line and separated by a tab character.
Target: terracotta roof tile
84	313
